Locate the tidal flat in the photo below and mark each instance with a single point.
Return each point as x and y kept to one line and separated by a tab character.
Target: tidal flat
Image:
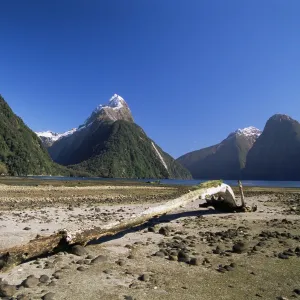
190	253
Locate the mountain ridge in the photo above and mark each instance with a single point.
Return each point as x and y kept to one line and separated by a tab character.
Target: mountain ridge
223	160
107	136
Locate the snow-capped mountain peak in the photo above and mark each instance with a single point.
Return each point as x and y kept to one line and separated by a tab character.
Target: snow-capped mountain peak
115	109
116	102
52	137
249	132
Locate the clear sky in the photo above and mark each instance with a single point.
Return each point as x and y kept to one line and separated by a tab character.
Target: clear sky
191	71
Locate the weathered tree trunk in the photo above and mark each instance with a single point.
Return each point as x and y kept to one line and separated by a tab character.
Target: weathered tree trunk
63	240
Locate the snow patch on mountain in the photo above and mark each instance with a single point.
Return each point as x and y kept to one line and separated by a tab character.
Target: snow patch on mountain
53	136
251	132
115	102
160	157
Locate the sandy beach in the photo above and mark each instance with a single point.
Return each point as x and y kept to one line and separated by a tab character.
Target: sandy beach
191	253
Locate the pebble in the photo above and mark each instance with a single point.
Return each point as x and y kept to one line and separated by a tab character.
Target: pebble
79	250
30	282
240	247
195	261
99	259
7	290
160	254
144	277
48	296
164	231
44	279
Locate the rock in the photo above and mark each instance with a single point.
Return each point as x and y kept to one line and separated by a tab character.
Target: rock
160	254
228	268
164	231
240	247
283	256
7	290
195	261
57	275
173	257
81	269
297	291
183	257
78	250
99	259
48	296
44	279
221	270
30	282
219	249
27	228
52	283
151	229
144	277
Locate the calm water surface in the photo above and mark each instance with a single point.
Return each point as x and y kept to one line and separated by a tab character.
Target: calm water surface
258	183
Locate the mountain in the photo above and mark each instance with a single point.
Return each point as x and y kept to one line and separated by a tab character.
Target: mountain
21	151
49	137
110	144
225	160
276	153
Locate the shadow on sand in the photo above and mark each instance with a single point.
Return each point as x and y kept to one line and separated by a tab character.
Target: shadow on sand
154	221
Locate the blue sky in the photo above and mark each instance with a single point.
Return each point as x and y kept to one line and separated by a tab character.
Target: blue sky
191	71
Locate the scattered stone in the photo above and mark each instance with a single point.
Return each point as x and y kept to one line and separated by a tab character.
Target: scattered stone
164	231
78	250
7	290
160	254
99	259
44	279
183	257
195	261
30	282
144	277
283	256
240	247
173	257
48	296
297	291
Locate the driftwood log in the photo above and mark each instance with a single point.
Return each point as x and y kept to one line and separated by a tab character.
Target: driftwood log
63	240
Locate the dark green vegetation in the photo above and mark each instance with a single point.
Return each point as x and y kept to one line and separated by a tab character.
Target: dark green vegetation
21	151
225	160
119	149
276	153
